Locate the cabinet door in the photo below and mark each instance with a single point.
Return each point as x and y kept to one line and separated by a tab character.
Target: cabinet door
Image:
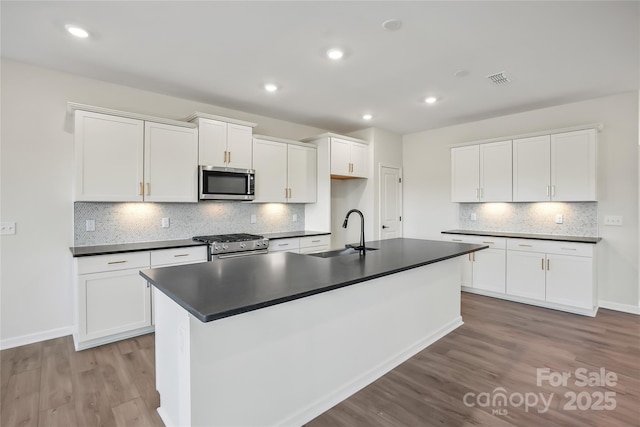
526	274
489	270
358	155
212	142
270	164
573	166
340	157
239	141
531	169
301	174
465	172
570	280
171	163
285	245
108	158
114	302
496	172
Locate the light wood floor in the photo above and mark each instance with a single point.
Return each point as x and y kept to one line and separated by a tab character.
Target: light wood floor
500	345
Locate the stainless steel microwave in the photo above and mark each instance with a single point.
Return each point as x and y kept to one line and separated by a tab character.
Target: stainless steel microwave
220	183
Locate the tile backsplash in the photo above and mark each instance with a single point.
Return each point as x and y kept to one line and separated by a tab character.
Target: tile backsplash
139	222
579	219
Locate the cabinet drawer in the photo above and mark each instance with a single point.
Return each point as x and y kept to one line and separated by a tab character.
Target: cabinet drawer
284	245
570	248
179	256
527	245
308	242
113	262
493	242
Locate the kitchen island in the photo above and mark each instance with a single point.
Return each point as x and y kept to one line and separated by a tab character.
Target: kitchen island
278	339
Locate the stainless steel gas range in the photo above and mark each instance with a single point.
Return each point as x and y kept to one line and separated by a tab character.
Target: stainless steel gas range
234	245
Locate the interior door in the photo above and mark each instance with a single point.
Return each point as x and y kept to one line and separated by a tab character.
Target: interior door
390	202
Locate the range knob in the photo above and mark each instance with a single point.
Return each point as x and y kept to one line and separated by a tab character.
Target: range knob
242	245
225	247
216	247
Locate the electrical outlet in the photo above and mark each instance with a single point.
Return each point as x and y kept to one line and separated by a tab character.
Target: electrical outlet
474	216
8	228
165	222
295	217
559	218
90	225
253	218
613	220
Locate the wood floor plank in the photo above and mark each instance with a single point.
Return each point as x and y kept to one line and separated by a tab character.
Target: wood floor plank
91	400
27	357
80	361
133	413
118	382
64	415
55	386
140	364
20	407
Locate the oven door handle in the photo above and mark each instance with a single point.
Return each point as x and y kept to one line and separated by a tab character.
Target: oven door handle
245	253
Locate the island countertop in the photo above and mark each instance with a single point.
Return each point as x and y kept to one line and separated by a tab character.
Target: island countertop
227	287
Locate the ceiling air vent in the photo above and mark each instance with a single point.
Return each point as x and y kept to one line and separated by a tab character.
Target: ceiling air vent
499	79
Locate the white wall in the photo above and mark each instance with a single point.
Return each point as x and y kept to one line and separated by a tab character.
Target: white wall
36	180
428	210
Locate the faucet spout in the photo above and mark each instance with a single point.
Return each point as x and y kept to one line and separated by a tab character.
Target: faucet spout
361	248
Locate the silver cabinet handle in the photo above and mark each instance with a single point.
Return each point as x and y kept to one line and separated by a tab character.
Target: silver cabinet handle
315	241
542	263
116	262
553	190
525	246
548	264
547	191
141	193
180	255
489	243
456	240
569	249
148	188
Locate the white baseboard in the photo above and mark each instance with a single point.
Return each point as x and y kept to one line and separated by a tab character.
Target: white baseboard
625	308
37	337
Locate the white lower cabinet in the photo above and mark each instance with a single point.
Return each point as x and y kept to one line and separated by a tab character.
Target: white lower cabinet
113	301
552	274
315	244
285	245
484	269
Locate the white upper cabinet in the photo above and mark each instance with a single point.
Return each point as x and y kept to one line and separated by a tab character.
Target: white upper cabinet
558	167
481	173
348	158
119	159
573	166
285	172
531	169
270	164
171	163
301	173
224	144
108	158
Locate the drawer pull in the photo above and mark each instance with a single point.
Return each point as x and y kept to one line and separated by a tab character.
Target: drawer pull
283	244
569	249
179	255
116	262
542	263
315	241
525	246
489	243
456	240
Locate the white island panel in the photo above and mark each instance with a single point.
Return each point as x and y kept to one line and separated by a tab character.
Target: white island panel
287	363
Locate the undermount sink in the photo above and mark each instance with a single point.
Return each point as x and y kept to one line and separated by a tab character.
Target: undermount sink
340	252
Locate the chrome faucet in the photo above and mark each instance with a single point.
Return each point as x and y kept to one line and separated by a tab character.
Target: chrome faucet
361	248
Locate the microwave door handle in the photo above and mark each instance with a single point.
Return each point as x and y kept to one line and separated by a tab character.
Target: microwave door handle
248	184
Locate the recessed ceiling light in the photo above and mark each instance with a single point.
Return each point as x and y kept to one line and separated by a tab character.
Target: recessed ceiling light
270	87
430	99
335	53
461	73
77	31
392	24
367	116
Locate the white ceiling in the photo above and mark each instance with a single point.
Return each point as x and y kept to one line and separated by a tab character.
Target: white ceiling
223	52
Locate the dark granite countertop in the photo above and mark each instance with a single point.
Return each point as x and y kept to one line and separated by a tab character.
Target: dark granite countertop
292	234
555	237
227	287
79	251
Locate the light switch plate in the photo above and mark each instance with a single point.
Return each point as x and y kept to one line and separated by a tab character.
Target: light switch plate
165	222
474	216
253	218
295	217
8	228
90	225
559	218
